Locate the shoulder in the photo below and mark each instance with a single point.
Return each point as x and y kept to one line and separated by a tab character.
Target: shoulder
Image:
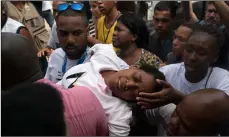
101	19
220	73
171	68
15	22
58	53
151	58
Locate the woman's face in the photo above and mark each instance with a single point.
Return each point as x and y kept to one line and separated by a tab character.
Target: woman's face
95	9
126	84
122	37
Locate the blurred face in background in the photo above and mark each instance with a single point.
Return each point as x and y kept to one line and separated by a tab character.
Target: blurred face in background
54	6
106	7
211	15
180	39
161	21
95	9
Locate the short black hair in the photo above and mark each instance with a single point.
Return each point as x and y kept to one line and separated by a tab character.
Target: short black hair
72	13
192	26
212	30
20	64
137	27
32	110
154	72
170	6
126	6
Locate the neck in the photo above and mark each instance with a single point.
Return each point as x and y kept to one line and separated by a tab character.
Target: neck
112	15
195	77
130	49
164	36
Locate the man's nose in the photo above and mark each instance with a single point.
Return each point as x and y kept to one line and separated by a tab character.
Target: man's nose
70	39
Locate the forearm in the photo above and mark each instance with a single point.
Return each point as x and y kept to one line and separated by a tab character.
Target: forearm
223	11
189	15
179	96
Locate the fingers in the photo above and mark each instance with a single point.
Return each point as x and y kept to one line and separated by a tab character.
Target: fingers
163	83
39	54
150	95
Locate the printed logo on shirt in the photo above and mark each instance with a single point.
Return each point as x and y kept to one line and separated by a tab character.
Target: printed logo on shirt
76	76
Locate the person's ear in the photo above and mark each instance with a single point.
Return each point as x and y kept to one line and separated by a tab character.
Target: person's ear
134	38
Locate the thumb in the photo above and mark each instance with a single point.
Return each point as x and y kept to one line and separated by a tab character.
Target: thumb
163	83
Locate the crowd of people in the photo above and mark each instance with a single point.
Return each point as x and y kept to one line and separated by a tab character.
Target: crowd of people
102	71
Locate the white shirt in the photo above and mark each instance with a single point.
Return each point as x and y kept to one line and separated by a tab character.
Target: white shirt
46	5
161	117
12	26
175	75
53	40
56	60
88	75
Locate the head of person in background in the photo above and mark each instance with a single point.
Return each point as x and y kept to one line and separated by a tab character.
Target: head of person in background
94	8
164	12
10	25
123	8
54	6
107	7
211	15
202	113
202	51
72	29
33	110
180	39
131	37
13	45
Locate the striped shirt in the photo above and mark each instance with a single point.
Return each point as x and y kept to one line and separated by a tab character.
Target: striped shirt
92	28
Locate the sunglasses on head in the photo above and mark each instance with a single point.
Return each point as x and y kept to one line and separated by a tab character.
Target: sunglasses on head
74	6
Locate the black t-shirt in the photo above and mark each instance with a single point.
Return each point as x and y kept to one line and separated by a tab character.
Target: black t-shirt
161	50
223	60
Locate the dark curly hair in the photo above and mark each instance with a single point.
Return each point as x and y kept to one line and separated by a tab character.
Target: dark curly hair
137	27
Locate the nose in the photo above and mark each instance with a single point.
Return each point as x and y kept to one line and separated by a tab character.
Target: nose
115	33
100	2
159	25
212	14
192	56
70	39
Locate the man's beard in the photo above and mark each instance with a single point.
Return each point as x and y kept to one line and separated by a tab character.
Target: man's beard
75	52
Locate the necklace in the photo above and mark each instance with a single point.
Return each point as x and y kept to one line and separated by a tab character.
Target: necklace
105	38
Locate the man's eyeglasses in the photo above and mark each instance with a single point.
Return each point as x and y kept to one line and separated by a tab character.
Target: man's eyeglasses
74	6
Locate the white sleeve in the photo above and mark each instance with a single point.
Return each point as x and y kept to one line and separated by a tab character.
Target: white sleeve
48	71
161	117
119	122
46	5
223	84
105	58
53	37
